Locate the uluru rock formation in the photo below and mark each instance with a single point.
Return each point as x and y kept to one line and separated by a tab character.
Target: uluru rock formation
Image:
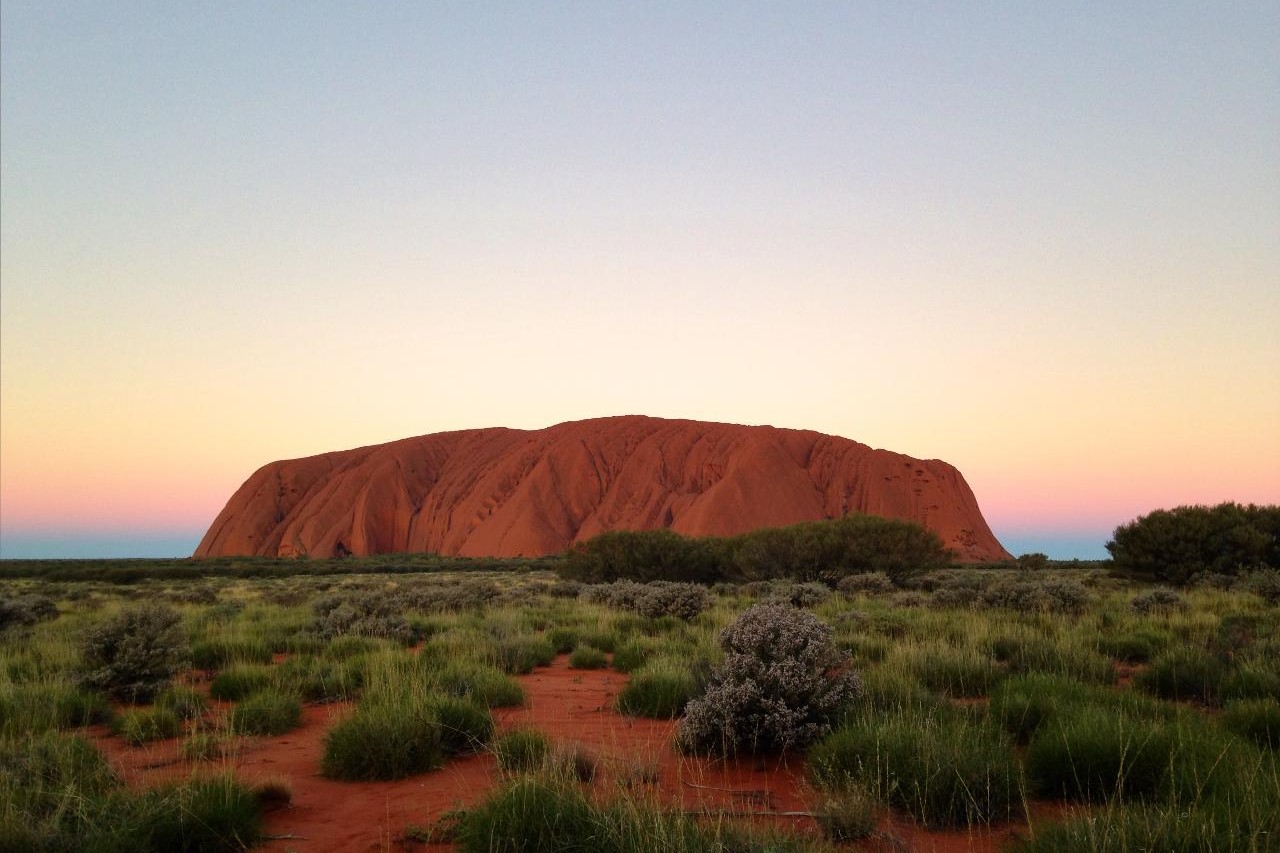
507	492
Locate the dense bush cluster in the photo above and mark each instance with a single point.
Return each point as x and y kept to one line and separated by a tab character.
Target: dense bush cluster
781	683
1175	545
823	551
368	614
657	598
133	654
1039	593
26	610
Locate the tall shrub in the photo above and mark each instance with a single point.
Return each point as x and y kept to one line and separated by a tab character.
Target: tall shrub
780	685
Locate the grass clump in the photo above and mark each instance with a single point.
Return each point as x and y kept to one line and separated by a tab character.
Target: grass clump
481	683
141	725
464	726
1182	673
588	657
941	766
384	740
1258	720
28	709
520	654
238	682
182	701
266	712
660	689
955	672
521	750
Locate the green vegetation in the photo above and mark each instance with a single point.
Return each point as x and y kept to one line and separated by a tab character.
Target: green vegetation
813	551
266	712
1175	545
1154	712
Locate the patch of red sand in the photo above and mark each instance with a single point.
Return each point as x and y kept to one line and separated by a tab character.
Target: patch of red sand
573	707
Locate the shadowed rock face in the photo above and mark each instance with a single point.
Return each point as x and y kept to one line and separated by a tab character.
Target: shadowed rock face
507	492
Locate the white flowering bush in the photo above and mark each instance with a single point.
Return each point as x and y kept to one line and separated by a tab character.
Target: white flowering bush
780	685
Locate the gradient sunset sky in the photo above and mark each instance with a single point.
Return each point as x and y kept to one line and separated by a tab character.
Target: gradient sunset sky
1040	241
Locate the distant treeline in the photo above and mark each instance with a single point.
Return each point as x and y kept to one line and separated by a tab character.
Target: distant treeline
181	568
823	551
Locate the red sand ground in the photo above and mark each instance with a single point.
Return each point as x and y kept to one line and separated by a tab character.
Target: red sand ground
572	707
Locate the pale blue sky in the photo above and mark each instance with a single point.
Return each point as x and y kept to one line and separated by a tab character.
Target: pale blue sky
1040	241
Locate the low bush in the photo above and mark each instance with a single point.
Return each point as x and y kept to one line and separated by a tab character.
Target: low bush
780	685
266	712
865	583
669	598
133	654
23	611
1157	601
368	614
942	767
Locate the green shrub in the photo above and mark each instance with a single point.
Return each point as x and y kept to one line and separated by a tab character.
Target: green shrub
384	740
587	657
1258	720
661	689
780	685
1182	673
266	712
1172	546
140	725
521	750
237	682
132	655
942	767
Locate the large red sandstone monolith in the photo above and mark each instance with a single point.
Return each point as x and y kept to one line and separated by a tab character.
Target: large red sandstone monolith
506	492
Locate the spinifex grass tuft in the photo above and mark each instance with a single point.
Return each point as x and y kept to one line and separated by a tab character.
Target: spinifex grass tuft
941	766
266	712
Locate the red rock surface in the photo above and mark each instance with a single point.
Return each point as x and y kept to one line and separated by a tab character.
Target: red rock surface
506	492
